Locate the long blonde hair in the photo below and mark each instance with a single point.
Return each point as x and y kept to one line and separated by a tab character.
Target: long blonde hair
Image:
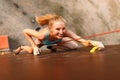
49	19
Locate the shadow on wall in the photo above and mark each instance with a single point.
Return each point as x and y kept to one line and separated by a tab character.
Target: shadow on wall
13	43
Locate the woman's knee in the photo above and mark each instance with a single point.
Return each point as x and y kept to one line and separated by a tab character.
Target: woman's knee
28	49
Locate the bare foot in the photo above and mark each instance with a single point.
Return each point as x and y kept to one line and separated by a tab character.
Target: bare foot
17	51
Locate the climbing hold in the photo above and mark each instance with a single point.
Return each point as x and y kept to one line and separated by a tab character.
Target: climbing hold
94	49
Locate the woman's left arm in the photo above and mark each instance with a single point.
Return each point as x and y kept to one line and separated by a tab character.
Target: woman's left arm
83	41
78	38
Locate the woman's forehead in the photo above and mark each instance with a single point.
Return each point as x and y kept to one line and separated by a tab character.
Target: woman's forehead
58	23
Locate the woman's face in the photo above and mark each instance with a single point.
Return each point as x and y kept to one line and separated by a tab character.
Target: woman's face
57	30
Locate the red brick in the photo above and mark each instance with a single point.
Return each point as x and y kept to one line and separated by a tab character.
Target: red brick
4	44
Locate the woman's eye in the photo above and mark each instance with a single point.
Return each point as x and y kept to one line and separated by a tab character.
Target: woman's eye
63	28
57	29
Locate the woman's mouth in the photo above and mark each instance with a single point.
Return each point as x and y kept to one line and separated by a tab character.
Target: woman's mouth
60	36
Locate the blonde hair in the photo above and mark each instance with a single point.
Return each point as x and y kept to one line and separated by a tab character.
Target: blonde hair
49	19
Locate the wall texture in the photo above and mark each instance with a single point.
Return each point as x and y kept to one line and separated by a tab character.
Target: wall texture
85	17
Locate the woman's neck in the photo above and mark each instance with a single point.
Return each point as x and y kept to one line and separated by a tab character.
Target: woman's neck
52	38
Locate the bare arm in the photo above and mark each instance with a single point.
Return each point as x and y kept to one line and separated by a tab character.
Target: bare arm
83	41
32	33
77	38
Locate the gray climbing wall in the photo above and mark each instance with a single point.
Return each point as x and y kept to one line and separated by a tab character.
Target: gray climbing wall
85	17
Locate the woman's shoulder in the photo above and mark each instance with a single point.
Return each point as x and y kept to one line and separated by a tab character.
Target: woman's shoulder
43	32
43	29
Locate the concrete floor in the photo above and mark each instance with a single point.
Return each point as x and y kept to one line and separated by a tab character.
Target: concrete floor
70	65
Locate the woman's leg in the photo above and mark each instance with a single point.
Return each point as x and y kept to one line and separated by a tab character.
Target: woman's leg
25	48
29	49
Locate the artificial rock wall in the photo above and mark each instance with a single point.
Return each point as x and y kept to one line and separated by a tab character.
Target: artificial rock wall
85	17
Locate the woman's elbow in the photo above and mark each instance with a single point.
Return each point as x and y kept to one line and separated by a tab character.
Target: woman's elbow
25	31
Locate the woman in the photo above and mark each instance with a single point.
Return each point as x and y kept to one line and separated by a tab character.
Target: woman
55	36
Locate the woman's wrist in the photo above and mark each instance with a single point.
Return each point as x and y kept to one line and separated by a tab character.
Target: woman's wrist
86	42
82	40
34	45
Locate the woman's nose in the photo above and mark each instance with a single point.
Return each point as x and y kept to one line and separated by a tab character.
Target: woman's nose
61	32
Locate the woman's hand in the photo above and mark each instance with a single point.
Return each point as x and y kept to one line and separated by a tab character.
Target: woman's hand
92	43
85	42
97	44
36	50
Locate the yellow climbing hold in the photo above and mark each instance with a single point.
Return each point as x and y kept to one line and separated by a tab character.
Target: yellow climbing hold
94	49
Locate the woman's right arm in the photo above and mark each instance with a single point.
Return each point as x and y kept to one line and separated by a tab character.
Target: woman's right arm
29	33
